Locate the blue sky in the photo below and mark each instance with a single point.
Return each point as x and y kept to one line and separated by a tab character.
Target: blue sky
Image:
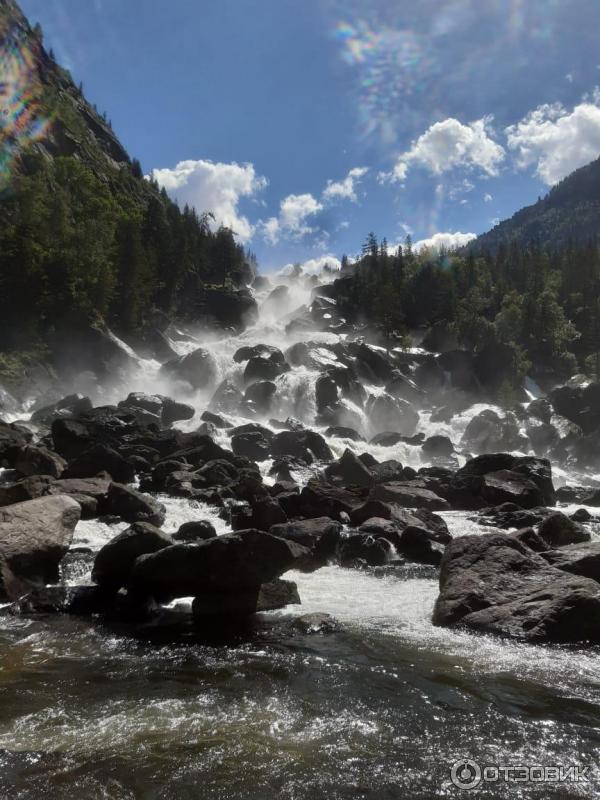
304	124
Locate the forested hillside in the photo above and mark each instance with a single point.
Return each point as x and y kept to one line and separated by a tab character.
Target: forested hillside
83	235
569	212
521	308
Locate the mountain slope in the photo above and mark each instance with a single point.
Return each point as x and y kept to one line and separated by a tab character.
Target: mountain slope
83	235
570	211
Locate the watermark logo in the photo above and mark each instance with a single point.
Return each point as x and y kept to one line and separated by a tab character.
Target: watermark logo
468	774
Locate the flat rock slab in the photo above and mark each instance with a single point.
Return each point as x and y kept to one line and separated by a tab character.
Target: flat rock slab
408	495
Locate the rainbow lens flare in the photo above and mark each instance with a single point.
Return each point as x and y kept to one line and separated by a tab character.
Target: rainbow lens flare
22	120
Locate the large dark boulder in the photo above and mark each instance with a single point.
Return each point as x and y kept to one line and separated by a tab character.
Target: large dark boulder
25	489
320	535
195	531
34	537
261	368
226	399
350	471
580	405
535	470
101	458
363	547
232	309
252	444
90	493
507	486
326	392
558	530
229	563
260	395
304	445
198	368
258	351
133	506
114	561
582	558
11	442
37	460
418	544
496	584
224	605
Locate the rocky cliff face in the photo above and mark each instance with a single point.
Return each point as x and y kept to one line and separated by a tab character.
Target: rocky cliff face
41	106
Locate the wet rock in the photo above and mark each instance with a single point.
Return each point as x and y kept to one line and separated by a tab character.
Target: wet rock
259	351
324	500
543	437
437	447
301	444
558	530
530	539
25	489
350	471
339	432
578	494
582	515
372	362
252	445
217	420
236	309
115	560
507	485
578	404
34	536
404	388
326	392
265	512
540	409
90	493
582	558
386	439
536	470
489	433
133	506
261	368
101	458
226	399
388	413
418	544
195	531
269	596
495	584
320	535
236	561
174	411
374	551
260	395
198	368
11	442
72	405
409	494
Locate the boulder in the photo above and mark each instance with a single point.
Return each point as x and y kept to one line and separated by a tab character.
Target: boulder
260	395
489	433
582	558
350	471
215	419
11	443
509	486
437	447
198	531
495	584
339	432
226	604
408	494
578	404
326	392
301	444
174	411
232	309
558	530
259	351
364	547
101	458
390	414
34	537
418	544
230	563
198	368
133	506
320	535
260	368
226	399
90	493
25	489
252	445
115	560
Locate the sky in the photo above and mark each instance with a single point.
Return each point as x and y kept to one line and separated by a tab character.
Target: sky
305	124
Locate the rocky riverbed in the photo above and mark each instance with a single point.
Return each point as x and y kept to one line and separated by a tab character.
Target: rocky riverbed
290	559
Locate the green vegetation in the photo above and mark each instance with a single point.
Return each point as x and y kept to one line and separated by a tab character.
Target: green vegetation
525	307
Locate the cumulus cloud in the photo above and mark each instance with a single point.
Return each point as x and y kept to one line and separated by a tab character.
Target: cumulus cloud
555	140
346	188
294	211
487	198
449	144
446	240
215	187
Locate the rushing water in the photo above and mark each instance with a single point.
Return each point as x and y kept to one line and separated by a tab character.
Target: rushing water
378	708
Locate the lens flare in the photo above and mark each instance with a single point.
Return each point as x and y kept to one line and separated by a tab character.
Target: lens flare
22	120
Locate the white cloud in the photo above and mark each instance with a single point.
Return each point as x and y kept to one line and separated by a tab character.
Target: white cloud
446	240
294	211
557	141
313	266
215	187
487	198
449	144
346	188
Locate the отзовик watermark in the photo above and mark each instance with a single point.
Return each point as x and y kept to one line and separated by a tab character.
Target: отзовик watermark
468	774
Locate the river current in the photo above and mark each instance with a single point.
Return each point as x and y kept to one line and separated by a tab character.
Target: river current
379	707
